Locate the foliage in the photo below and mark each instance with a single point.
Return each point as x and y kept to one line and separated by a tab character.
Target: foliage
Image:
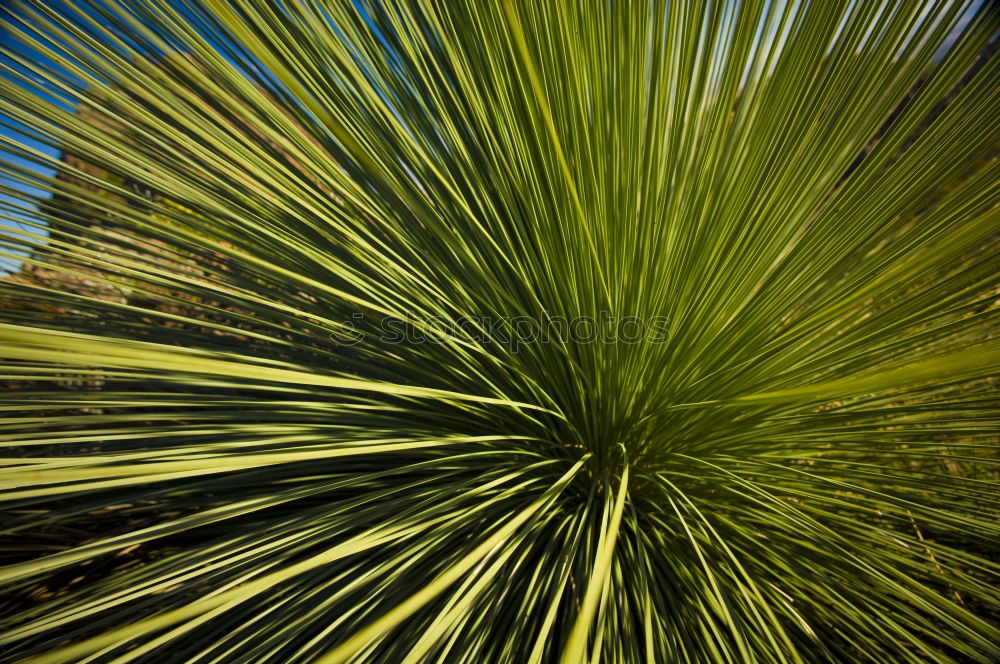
806	470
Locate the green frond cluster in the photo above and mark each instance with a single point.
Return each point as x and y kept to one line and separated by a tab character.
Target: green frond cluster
523	332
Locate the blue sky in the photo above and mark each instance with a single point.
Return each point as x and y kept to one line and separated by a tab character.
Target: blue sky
9	128
11	132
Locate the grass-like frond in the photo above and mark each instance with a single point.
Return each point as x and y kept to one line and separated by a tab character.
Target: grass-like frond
271	392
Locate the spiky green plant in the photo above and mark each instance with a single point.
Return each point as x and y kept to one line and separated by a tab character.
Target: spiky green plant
233	460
